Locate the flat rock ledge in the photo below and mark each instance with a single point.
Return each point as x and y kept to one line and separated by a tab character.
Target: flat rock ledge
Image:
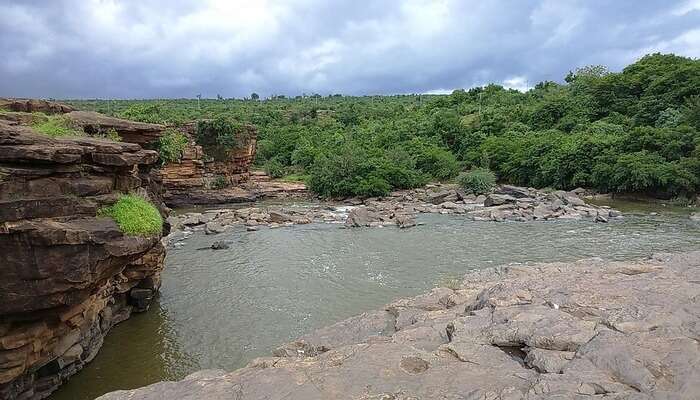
583	330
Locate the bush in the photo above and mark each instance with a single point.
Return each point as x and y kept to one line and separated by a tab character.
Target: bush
171	146
220	135
219	182
347	170
477	181
437	163
275	169
134	215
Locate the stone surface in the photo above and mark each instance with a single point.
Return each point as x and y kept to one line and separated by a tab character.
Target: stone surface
66	275
34	105
583	330
358	217
140	133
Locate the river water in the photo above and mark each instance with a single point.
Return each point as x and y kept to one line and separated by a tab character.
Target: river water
220	309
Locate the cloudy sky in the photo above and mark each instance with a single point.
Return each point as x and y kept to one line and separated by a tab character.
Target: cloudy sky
179	48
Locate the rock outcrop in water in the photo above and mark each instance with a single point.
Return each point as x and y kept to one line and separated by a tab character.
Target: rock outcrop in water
582	330
66	275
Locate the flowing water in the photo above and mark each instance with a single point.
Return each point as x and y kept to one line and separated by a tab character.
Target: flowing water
220	309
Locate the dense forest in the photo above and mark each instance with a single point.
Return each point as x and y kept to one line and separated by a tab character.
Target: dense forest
637	130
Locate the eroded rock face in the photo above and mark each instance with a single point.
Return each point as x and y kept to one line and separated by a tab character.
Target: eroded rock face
198	179
35	105
67	276
583	330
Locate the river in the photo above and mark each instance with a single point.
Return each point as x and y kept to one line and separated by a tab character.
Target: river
220	309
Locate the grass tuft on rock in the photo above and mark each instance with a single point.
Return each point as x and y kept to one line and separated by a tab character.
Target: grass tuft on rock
57	126
134	215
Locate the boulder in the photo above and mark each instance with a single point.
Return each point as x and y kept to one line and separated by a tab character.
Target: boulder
543	211
220	245
439	197
405	221
279	217
498	199
451	206
213	228
358	217
514	191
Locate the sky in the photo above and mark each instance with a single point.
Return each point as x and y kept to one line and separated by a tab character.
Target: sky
181	48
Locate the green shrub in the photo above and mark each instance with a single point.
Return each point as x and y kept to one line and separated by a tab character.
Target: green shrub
477	181
171	145
275	168
58	126
219	182
134	215
296	178
437	163
220	135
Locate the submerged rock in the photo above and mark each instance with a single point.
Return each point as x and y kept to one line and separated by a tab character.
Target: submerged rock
586	329
220	245
405	221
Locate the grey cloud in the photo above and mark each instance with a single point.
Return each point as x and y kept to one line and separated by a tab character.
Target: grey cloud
137	49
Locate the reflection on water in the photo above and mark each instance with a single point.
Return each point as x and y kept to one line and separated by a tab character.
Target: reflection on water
219	309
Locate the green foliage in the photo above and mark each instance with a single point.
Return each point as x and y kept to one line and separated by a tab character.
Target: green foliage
219	182
134	215
634	130
220	135
171	145
57	126
296	178
477	181
112	135
275	168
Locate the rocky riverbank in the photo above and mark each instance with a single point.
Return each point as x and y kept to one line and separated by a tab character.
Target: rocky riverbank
506	203
67	275
587	329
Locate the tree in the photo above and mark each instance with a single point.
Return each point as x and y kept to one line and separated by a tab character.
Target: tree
254	96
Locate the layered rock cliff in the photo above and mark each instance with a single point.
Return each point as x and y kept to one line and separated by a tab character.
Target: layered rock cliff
66	275
200	179
584	330
196	178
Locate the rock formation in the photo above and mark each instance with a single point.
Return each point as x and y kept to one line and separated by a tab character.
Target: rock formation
141	133
66	275
199	179
195	179
34	105
584	330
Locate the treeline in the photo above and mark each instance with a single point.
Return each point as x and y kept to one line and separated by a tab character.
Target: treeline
632	131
